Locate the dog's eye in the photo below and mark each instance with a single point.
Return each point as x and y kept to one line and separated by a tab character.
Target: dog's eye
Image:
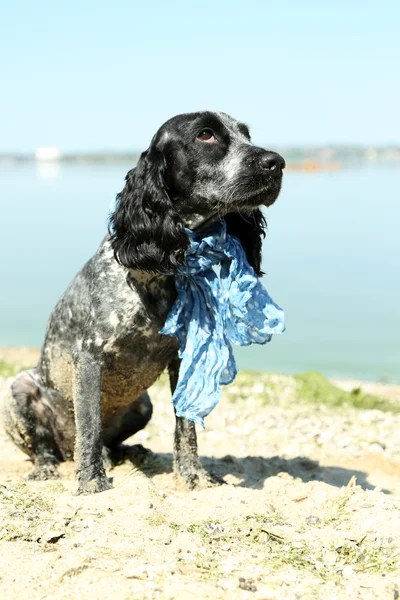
206	135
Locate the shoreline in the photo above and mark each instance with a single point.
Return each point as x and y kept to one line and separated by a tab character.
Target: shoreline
24	357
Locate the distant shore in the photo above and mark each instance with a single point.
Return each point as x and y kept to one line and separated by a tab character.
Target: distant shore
309	158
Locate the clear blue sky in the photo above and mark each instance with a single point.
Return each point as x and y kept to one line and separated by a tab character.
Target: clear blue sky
85	75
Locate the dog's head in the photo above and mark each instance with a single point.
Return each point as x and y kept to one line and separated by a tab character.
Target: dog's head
199	168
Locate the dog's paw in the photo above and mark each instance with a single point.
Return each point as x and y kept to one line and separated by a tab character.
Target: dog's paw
101	483
44	473
137	455
202	479
196	477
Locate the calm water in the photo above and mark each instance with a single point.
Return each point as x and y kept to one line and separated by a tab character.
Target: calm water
332	259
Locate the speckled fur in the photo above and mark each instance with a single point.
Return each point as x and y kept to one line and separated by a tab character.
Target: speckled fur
103	348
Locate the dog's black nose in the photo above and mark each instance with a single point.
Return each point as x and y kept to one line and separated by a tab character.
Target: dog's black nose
271	161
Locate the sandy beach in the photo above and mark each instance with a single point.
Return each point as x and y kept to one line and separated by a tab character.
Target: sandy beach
310	509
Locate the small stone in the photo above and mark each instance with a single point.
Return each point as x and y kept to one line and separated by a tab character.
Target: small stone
329	557
247	585
348	571
53	537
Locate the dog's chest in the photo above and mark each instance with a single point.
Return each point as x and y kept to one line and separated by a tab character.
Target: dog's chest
136	354
132	320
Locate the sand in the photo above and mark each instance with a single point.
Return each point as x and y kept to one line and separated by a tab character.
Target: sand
310	509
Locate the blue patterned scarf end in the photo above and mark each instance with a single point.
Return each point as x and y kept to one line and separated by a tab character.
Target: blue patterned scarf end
213	312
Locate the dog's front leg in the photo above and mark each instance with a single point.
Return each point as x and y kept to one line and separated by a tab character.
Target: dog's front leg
186	459
89	440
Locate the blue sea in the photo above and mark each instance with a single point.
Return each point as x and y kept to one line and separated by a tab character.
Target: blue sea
332	261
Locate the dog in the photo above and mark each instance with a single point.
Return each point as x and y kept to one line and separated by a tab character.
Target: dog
102	348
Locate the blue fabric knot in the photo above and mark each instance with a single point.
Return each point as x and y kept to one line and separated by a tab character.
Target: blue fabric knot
210	313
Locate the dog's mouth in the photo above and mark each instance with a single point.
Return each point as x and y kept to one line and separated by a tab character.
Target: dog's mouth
253	188
245	197
263	195
253	199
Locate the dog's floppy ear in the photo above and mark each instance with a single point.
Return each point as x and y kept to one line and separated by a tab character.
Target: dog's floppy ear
250	229
146	231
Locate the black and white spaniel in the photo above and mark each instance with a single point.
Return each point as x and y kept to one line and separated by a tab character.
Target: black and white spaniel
103	348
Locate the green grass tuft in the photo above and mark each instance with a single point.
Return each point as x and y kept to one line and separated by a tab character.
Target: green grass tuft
314	387
7	370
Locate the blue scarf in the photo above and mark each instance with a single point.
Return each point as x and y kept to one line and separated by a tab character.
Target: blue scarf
210	313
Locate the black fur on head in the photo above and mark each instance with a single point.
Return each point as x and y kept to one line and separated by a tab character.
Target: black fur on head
200	167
